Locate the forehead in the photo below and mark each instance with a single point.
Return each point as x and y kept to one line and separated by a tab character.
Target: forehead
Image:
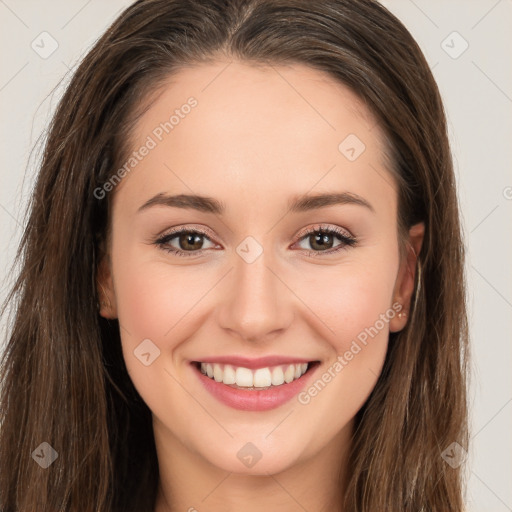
257	132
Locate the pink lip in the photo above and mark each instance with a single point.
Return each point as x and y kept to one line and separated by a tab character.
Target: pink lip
260	362
251	400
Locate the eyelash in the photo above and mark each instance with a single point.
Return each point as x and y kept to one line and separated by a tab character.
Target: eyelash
347	241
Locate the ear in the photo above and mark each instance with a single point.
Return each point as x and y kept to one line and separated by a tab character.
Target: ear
105	287
404	285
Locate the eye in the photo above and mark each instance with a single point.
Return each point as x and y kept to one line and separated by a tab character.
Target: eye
190	241
321	239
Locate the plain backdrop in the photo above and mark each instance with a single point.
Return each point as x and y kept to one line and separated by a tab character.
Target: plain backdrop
468	46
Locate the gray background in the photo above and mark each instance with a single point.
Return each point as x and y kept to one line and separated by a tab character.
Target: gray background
477	89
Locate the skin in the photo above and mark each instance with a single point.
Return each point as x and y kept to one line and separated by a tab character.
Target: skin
258	137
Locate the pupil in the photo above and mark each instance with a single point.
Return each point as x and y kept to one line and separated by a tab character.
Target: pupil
322	240
189	240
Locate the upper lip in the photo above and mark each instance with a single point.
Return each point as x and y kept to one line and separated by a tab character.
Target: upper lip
259	362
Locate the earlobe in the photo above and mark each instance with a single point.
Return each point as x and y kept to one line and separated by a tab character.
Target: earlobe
409	267
105	289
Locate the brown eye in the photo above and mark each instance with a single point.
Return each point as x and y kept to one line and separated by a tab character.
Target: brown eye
181	242
190	241
323	240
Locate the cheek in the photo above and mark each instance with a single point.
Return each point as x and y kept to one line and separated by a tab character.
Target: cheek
357	307
152	298
349	298
158	303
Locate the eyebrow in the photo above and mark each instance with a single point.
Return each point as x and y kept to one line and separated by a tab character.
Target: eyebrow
296	204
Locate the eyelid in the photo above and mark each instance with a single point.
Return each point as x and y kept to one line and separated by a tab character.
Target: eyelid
347	239
324	227
203	230
208	233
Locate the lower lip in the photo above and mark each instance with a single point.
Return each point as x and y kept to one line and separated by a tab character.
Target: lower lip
253	400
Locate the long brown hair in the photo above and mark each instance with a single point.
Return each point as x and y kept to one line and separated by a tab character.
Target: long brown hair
64	380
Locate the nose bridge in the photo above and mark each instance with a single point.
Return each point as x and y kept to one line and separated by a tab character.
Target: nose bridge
257	304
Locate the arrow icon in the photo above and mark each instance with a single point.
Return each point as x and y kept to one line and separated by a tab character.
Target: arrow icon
454	45
146	352
44	455
249	455
44	45
249	253
351	147
454	455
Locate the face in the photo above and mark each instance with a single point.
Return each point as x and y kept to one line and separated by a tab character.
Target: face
256	277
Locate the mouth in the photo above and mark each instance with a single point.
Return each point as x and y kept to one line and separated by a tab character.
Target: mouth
239	377
254	389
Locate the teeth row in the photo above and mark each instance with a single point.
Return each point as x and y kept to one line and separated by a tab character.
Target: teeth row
260	378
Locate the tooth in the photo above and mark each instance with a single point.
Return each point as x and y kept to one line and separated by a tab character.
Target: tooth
277	376
217	373
244	377
289	374
229	375
262	378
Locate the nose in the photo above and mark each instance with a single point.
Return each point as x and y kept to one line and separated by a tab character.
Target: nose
258	305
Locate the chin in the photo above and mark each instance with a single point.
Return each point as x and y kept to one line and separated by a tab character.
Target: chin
267	464
258	456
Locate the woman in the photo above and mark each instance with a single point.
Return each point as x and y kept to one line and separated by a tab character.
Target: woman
242	275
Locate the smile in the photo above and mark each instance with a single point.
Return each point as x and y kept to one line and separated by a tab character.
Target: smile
262	378
254	389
